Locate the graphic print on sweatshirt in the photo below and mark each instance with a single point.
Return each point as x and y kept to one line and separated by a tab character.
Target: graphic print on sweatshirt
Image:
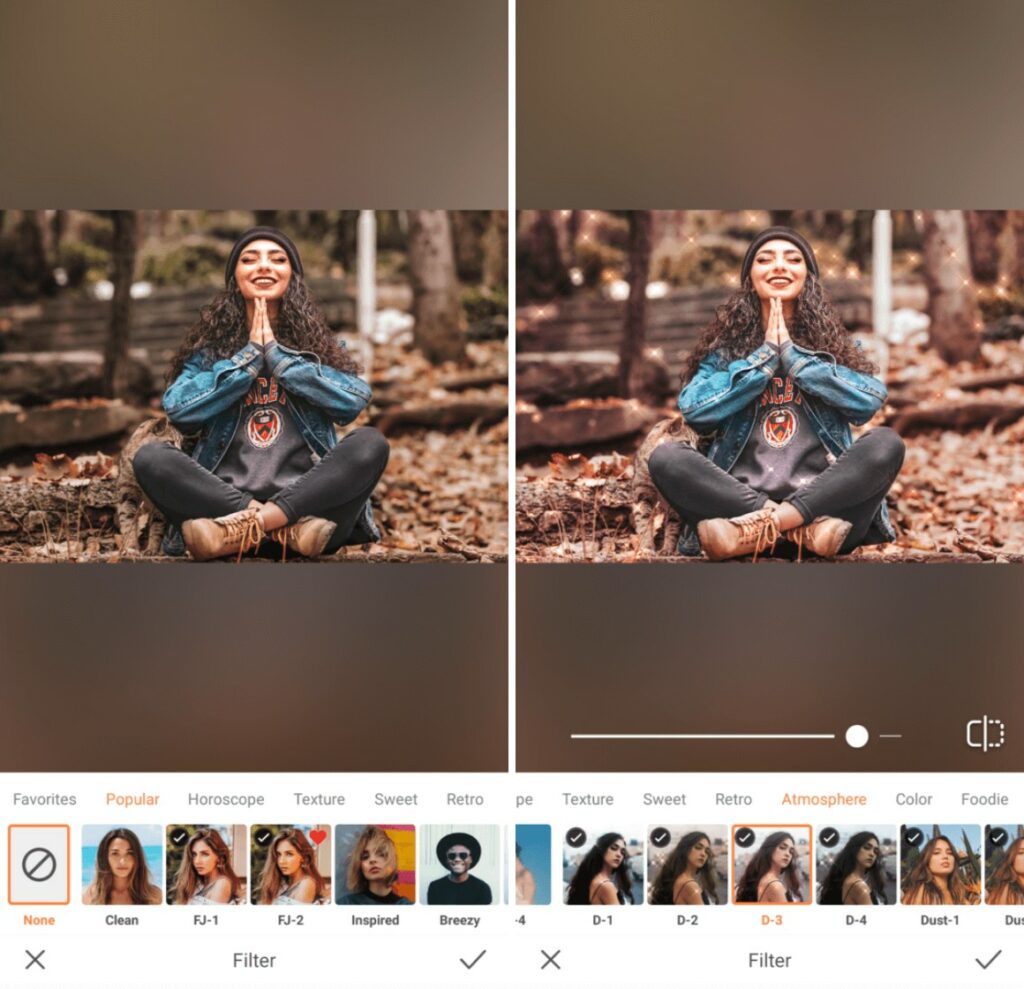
263	424
783	452
780	423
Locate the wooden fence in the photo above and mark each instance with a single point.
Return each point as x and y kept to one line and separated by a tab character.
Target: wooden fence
159	322
673	322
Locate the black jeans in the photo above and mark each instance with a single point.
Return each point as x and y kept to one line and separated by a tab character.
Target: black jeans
853	488
335	488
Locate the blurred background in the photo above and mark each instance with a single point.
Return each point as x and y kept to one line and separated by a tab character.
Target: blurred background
610	304
94	305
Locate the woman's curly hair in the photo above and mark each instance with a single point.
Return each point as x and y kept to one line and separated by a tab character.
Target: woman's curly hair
223	329
736	329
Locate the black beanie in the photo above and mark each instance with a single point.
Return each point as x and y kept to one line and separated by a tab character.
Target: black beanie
458	838
262	233
778	233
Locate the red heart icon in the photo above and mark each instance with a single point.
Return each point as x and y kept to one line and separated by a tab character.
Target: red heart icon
317	836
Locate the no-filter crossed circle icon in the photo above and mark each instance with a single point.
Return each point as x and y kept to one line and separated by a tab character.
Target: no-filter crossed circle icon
38	864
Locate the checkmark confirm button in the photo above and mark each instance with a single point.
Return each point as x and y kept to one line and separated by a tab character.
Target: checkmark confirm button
985	964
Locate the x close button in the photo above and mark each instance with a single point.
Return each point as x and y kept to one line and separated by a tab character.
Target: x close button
550	959
34	959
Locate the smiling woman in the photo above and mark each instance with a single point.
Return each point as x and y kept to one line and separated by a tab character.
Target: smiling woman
776	382
262	381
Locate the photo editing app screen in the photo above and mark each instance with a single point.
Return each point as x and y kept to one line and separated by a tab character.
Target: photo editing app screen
519	552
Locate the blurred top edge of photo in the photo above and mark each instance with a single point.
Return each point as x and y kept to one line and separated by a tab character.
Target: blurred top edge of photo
141	349
858	374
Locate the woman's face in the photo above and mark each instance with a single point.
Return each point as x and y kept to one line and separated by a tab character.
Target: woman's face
204	861
699	854
1018	860
615	854
779	271
783	854
942	861
867	854
121	858
374	863
263	270
289	861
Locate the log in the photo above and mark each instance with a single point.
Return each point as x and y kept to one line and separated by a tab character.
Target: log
442	414
66	424
569	427
474	379
39	378
559	376
955	415
550	504
998	379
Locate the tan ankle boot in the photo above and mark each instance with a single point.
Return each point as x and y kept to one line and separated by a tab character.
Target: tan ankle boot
207	539
308	536
823	537
723	539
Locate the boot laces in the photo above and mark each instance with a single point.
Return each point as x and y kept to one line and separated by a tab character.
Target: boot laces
248	530
281	536
763	532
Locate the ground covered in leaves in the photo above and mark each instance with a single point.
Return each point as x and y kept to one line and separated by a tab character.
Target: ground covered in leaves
444	495
959	497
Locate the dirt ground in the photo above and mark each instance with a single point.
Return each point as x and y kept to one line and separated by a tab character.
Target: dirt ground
444	495
958	498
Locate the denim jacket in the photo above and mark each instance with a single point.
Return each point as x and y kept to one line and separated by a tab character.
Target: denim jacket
208	396
721	399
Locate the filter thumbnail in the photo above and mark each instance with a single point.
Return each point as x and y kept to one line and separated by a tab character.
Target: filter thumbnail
533	865
375	864
1004	865
122	866
771	864
291	864
461	865
857	866
687	865
207	864
940	865
602	868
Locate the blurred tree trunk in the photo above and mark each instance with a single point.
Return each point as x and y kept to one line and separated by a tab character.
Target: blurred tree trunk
906	234
955	321
984	227
31	274
115	357
266	217
542	269
58	223
469	227
440	328
495	245
345	239
572	233
1017	225
781	217
631	349
832	224
860	243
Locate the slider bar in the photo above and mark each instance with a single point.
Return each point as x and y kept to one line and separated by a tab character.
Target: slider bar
701	737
